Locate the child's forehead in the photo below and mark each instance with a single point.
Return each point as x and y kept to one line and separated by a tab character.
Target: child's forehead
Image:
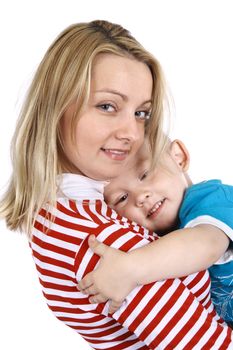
131	173
140	162
135	167
143	159
143	154
141	165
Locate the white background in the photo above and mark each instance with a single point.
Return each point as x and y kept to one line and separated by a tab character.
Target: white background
192	39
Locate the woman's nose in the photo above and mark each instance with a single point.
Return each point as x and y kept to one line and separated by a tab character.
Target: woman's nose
130	129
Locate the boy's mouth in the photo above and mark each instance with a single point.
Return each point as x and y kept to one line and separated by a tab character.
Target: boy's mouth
156	208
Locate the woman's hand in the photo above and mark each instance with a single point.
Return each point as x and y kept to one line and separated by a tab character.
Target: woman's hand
113	278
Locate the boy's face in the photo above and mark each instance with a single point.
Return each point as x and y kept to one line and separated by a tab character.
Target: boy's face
152	198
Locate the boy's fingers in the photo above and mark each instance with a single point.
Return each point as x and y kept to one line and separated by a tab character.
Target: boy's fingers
114	306
98	298
96	246
84	284
90	290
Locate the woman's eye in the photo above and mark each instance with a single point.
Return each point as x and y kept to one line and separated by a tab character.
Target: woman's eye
122	198
143	115
106	107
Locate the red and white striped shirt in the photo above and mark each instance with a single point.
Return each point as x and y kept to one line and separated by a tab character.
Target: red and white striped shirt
170	314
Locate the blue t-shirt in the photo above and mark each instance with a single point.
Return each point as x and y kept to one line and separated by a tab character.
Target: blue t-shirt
211	202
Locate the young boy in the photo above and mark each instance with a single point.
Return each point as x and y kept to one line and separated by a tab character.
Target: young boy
162	200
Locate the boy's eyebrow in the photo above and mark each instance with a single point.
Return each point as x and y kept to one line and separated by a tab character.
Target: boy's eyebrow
115	92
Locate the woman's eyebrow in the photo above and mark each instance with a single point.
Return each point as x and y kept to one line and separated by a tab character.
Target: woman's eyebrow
112	91
124	97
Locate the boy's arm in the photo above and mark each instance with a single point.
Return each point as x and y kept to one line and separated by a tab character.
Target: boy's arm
179	253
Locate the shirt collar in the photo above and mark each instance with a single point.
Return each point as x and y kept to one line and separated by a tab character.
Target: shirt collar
76	187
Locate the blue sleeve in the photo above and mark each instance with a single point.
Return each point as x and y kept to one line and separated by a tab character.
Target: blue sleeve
208	202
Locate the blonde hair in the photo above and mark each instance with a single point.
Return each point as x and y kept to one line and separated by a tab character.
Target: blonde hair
64	76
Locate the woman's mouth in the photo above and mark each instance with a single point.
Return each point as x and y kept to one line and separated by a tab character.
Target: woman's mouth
154	211
116	154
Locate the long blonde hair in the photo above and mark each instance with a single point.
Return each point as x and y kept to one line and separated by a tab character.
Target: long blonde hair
64	76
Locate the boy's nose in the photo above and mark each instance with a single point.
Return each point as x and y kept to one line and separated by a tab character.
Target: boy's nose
142	197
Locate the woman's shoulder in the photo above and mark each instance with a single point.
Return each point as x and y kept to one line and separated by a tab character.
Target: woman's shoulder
76	219
81	201
97	214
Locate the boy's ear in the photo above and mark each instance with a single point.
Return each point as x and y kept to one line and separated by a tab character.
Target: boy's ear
180	154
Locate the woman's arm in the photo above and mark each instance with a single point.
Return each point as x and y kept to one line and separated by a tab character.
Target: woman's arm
167	315
177	254
162	315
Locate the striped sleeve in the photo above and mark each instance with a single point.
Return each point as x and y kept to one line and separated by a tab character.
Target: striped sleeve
164	314
161	315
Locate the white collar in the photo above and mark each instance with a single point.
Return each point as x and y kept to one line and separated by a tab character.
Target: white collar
76	187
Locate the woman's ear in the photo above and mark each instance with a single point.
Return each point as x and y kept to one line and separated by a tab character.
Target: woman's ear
180	154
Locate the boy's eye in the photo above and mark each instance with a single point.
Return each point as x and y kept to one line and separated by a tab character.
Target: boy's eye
144	175
106	107
122	198
143	115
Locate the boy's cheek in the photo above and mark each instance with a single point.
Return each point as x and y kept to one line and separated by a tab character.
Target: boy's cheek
126	212
135	214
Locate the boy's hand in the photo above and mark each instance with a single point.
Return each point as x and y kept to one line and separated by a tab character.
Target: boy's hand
113	278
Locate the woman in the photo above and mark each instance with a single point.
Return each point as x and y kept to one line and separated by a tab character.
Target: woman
95	94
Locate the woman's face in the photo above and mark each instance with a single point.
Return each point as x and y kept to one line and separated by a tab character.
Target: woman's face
111	126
